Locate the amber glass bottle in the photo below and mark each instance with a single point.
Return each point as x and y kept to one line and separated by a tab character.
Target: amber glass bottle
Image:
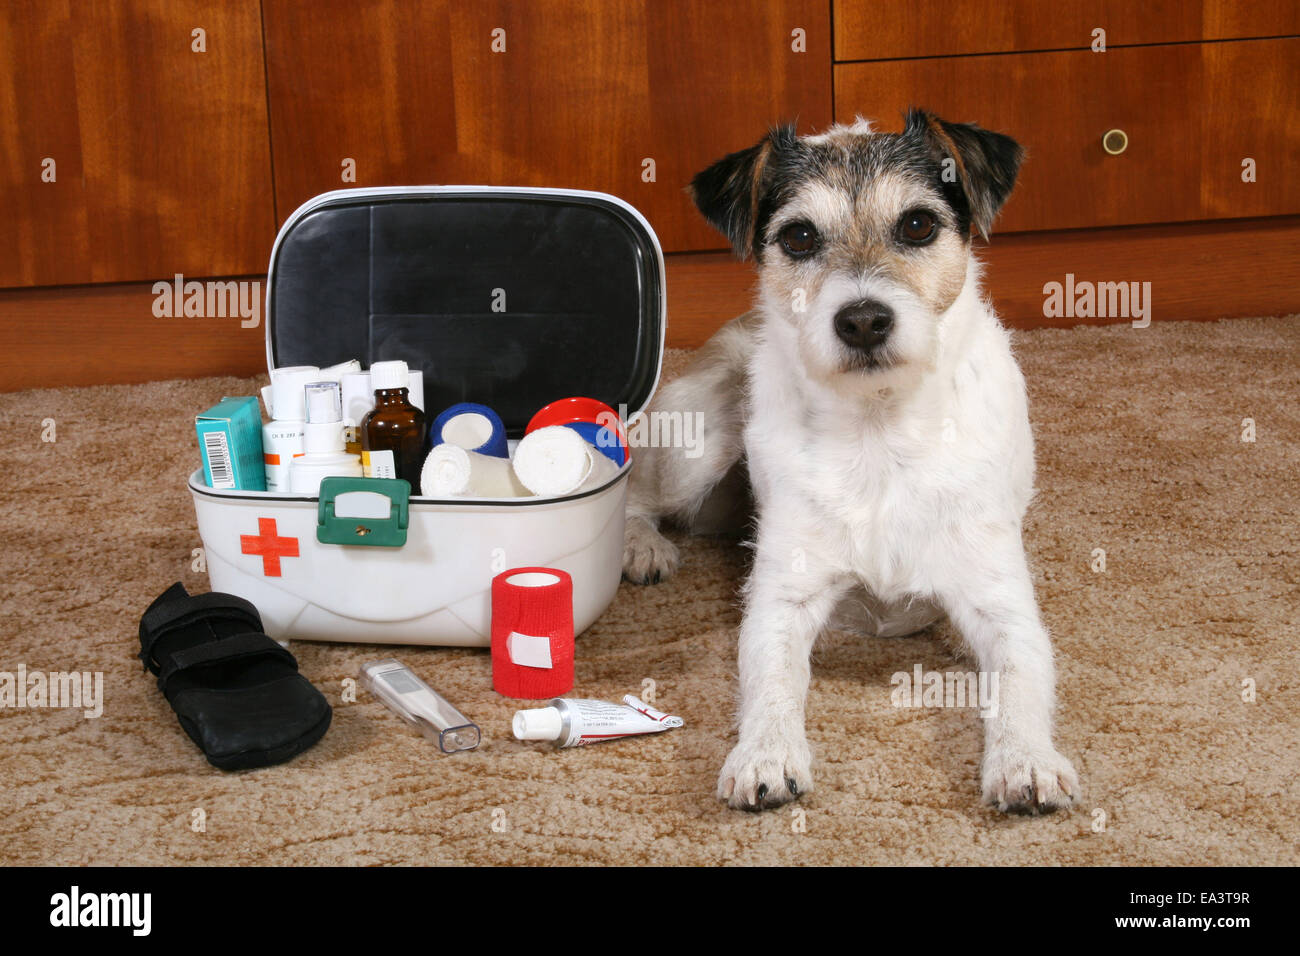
392	435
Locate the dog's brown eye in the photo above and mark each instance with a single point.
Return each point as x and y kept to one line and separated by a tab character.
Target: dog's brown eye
799	239
917	227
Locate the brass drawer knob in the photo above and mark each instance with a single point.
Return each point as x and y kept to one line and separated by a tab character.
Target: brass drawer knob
1115	141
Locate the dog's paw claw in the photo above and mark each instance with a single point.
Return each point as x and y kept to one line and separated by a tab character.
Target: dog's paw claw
648	557
759	777
1028	781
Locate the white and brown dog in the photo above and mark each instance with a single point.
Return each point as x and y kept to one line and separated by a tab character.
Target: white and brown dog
873	397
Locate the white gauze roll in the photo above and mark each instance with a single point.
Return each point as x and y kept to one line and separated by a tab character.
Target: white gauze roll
557	461
452	472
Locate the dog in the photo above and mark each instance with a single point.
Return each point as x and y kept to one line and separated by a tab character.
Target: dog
871	402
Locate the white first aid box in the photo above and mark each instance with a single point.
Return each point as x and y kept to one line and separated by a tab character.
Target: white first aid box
508	297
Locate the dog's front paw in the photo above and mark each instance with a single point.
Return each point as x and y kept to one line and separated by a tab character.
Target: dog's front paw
765	772
648	557
1028	780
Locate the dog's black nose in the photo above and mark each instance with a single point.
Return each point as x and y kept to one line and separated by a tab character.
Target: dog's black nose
864	325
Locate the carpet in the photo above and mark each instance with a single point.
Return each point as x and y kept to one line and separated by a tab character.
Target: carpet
1178	662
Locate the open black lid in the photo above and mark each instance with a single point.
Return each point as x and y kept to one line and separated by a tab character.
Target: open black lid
510	297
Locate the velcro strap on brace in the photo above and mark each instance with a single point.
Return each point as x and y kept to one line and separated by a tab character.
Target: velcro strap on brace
186	610
236	647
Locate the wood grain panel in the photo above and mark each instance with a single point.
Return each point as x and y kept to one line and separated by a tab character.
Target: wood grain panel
1250	108
108	334
1059	105
870	30
368	82
585	91
1198	271
44	238
161	153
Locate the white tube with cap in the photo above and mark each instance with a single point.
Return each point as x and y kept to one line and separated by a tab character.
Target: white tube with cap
576	723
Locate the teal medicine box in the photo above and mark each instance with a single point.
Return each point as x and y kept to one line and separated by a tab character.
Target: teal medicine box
230	440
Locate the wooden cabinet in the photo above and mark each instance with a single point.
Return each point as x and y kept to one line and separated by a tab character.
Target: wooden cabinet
1192	114
126	154
166	160
171	160
631	97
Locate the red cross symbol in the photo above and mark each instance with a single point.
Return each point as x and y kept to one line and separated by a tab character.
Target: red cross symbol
269	545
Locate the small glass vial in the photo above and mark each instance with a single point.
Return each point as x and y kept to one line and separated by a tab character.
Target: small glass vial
393	433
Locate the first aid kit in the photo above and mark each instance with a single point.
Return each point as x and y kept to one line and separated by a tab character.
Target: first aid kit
510	298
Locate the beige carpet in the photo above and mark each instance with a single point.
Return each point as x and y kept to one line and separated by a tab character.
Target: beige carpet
1140	454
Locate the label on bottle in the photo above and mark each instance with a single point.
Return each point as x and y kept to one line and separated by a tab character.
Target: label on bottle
379	464
282	442
352	440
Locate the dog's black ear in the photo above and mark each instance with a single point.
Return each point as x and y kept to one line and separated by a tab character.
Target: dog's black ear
730	192
983	164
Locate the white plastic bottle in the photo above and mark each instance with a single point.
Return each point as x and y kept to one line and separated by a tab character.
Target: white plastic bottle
283	436
358	400
335	373
323	452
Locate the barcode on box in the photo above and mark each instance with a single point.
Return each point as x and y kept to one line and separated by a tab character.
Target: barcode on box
217	451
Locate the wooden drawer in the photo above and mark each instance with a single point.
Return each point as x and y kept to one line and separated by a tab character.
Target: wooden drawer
161	159
870	30
1192	112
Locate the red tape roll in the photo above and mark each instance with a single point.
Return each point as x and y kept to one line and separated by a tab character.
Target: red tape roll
532	626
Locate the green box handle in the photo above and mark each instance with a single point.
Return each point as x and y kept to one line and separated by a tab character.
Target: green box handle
387	532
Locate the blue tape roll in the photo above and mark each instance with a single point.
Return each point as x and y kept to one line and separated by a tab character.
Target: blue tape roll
602	439
495	445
